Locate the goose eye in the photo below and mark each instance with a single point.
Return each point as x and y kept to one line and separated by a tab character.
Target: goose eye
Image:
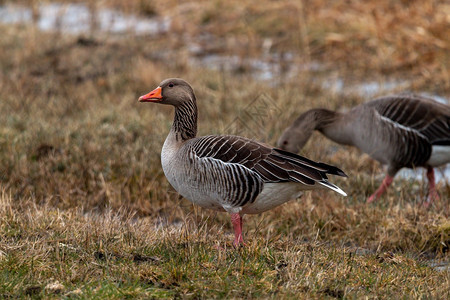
170	84
285	142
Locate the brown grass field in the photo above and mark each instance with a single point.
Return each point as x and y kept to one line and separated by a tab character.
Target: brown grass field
86	212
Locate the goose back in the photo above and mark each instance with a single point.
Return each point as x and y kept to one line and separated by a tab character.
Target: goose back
408	128
423	116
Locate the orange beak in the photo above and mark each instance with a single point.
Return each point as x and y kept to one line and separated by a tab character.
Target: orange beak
153	96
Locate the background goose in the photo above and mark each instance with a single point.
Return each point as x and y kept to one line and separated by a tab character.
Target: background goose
400	131
230	173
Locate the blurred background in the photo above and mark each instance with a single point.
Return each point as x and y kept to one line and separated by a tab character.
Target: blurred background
71	71
80	175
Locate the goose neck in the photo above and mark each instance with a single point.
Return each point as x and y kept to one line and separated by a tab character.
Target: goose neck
185	122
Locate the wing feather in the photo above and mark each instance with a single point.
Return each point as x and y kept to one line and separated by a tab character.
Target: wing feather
269	164
423	116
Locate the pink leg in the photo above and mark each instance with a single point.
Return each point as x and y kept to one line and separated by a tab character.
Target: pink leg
236	219
432	193
384	185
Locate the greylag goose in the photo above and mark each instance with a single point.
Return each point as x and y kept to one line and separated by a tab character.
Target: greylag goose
400	131
230	173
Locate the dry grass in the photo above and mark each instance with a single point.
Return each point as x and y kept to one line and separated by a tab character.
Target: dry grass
86	211
48	252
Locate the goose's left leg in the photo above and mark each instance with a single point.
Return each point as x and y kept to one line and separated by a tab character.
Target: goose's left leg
383	187
236	219
432	192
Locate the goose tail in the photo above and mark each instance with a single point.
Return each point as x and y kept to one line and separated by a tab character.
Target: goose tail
332	187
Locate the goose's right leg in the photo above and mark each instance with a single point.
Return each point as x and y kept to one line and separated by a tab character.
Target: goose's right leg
236	219
432	193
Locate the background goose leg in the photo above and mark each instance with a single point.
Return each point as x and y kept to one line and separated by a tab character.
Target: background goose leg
383	187
432	192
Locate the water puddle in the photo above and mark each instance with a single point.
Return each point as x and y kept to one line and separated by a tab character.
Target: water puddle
441	174
367	89
442	266
77	18
265	69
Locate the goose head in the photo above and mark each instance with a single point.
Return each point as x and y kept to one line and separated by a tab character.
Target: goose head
171	91
295	136
293	139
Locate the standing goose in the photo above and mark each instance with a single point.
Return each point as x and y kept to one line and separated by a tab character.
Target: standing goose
400	131
230	173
